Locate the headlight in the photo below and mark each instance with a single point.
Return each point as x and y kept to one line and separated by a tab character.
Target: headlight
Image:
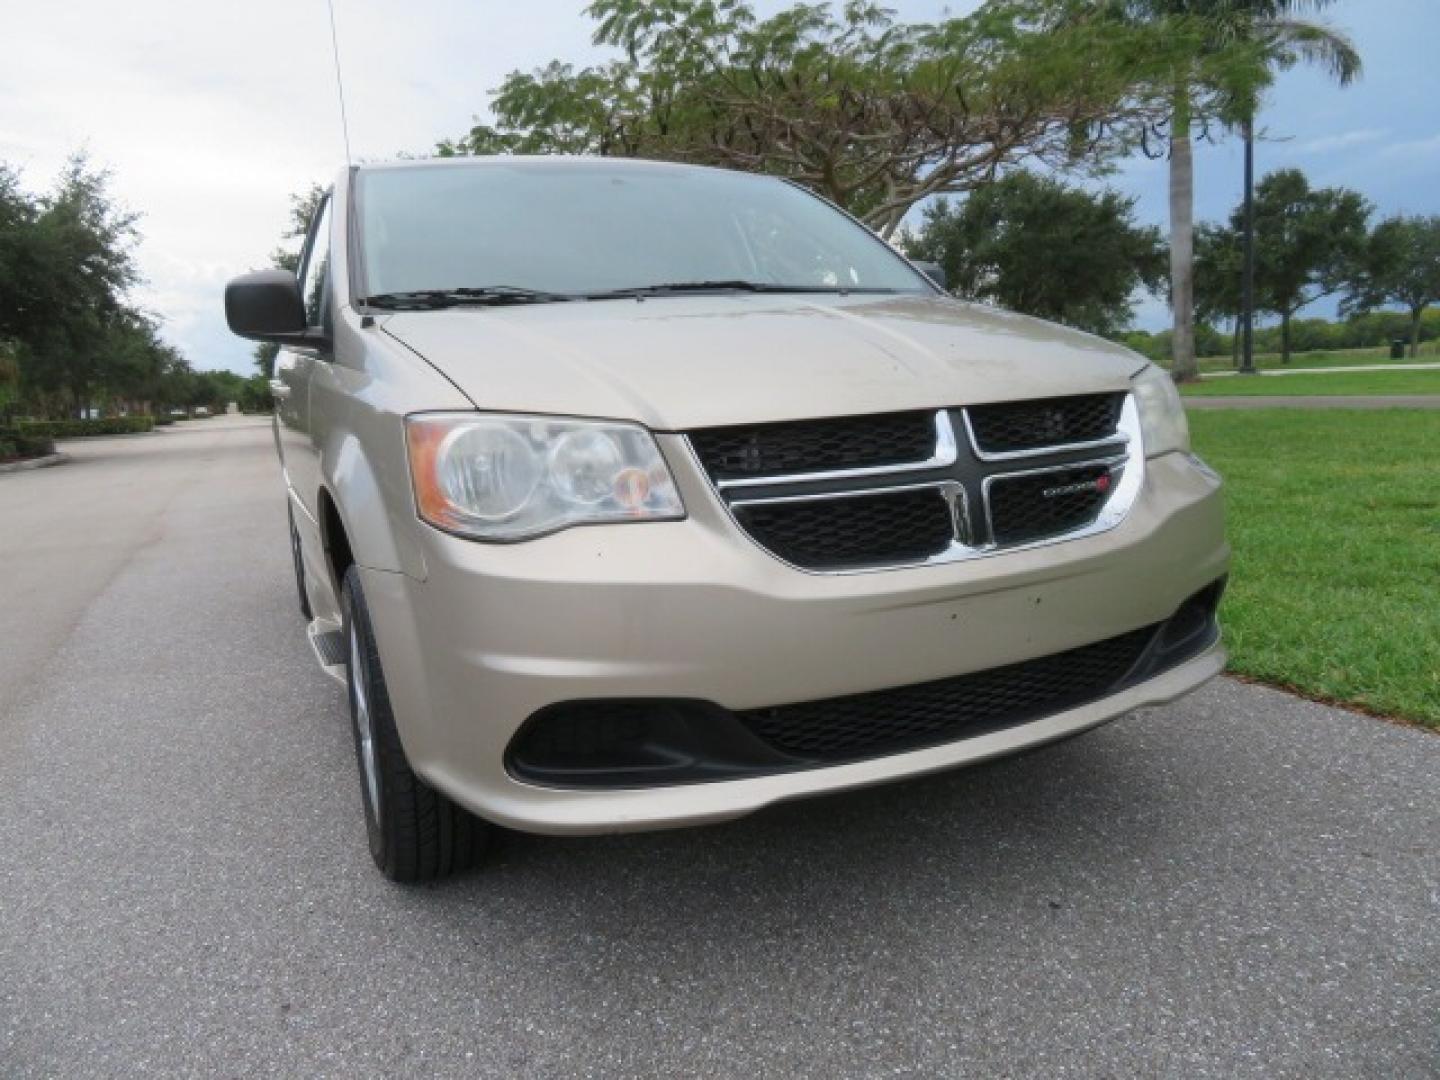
494	477
1163	426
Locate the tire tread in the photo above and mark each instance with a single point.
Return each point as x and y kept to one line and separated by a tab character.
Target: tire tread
423	835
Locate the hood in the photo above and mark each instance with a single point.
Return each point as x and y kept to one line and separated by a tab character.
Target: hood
676	363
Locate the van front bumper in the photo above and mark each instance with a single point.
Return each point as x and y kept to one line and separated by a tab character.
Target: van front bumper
694	610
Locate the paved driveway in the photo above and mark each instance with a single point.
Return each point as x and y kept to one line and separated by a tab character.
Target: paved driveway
1242	885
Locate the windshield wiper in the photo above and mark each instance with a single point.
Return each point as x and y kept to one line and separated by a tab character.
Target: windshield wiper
670	288
430	299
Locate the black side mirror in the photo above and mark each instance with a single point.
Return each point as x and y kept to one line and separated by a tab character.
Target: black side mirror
934	271
266	306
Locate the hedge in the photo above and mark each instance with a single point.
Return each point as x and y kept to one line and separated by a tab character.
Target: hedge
69	429
24	444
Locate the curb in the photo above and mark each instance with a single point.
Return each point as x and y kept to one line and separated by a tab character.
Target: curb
107	435
35	463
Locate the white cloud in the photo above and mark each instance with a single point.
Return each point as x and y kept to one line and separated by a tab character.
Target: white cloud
1414	149
210	116
1344	140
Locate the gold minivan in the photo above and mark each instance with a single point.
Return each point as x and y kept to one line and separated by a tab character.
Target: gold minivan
627	495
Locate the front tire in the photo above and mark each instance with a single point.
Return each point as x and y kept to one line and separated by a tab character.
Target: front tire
415	832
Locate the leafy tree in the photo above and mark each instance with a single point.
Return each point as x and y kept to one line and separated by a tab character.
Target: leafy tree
69	334
1034	245
9	378
137	367
1219	270
18	258
1308	244
1400	265
872	113
303	207
1241	45
71	263
1219	264
255	395
173	383
215	390
41	251
1306	335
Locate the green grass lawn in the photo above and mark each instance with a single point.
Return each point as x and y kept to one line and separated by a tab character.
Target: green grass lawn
1341	382
1380	354
1335	521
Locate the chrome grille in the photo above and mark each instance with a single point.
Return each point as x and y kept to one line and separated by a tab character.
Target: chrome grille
866	493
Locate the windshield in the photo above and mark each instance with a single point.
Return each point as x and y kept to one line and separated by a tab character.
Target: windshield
594	227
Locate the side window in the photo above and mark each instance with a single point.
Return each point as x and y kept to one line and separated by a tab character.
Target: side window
315	275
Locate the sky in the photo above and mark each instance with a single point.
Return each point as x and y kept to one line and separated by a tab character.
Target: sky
211	115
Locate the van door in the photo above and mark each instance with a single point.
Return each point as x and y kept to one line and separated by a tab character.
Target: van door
295	367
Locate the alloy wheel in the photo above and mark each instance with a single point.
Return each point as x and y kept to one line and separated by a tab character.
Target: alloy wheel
364	730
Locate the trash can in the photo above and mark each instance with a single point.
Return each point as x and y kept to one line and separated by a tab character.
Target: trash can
1397	348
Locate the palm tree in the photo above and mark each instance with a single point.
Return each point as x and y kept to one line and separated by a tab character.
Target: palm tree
1240	45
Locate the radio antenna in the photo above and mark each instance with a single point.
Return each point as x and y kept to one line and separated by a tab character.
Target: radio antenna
339	83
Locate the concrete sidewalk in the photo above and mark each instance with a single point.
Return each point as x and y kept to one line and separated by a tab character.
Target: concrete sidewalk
1317	401
1267	372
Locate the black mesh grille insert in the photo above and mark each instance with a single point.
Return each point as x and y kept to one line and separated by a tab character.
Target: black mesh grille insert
575	734
888	721
851	442
1029	425
1025	508
861	530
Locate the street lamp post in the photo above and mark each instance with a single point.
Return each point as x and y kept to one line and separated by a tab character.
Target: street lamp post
1247	300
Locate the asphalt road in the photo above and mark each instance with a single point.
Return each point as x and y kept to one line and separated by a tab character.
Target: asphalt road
1240	885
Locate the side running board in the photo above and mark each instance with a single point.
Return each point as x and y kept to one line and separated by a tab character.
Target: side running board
327	641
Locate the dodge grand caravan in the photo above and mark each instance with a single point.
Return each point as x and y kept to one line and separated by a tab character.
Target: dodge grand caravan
627	495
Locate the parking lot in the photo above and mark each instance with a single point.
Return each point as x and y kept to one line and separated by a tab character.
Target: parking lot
1243	884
